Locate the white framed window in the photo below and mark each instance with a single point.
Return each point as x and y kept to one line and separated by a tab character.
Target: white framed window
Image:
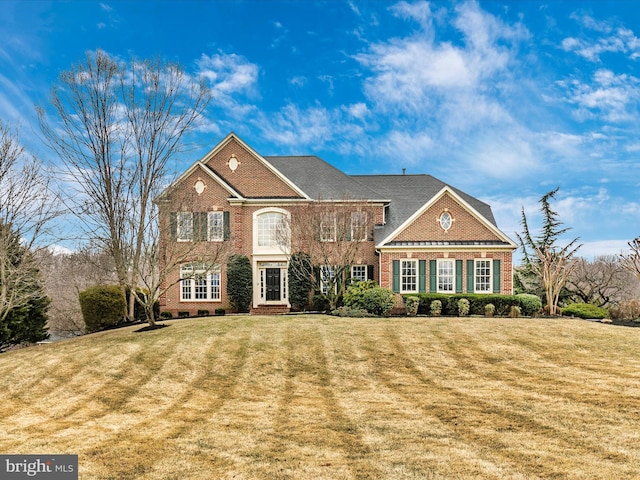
200	282
270	231
408	276
328	227
327	276
359	273
446	275
482	276
358	226
445	220
184	226
215	226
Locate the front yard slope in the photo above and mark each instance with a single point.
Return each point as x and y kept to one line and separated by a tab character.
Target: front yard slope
297	397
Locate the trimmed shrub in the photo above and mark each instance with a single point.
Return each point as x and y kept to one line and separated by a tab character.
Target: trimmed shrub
300	283
411	304
514	312
436	308
489	310
529	304
239	282
203	313
378	301
463	307
102	307
220	311
584	310
354	294
183	314
166	315
320	303
345	311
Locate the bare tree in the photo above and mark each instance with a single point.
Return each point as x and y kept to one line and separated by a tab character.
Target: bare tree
117	125
26	207
334	235
602	282
543	257
631	260
65	276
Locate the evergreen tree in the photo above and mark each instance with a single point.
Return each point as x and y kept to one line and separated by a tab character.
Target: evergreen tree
544	259
25	316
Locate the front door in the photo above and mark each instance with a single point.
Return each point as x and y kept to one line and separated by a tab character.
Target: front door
273	284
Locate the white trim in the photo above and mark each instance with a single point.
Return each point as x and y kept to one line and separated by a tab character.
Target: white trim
417	275
453	275
475	278
277	249
448	190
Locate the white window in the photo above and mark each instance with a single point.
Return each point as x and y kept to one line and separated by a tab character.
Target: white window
482	280
328	228
327	276
359	273
184	226
446	275
270	229
445	220
358	226
199	282
216	226
409	276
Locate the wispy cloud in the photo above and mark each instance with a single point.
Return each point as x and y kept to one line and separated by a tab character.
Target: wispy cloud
610	39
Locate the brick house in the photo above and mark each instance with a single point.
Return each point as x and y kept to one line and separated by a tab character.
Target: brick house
425	235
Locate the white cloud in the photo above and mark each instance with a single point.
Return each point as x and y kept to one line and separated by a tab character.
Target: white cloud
613	39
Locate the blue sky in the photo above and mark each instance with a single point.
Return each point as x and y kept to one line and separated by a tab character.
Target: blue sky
504	100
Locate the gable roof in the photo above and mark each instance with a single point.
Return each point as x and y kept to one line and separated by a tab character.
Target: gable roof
411	194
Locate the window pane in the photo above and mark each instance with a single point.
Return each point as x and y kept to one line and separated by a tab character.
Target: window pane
445	275
409	276
358	226
359	273
483	276
216	226
270	229
185	226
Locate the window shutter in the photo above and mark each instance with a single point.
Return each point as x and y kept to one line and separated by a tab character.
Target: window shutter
470	276
316	275
369	272
226	225
433	276
173	225
396	276
422	274
496	276
458	276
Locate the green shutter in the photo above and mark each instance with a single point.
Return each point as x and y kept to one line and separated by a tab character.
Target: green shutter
226	222
459	276
422	274
173	225
496	276
396	276
470	276
433	276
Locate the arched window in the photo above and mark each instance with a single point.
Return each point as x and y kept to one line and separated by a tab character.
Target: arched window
271	229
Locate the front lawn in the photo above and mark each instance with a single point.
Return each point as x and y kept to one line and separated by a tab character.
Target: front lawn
318	397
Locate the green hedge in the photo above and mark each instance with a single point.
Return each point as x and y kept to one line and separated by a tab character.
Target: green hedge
584	310
477	302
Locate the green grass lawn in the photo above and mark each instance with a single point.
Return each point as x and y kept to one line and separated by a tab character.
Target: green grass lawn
318	397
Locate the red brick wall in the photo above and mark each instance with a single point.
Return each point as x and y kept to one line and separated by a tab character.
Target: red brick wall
505	257
464	226
252	178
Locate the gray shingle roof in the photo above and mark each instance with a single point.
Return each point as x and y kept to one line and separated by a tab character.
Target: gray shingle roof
408	193
321	180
